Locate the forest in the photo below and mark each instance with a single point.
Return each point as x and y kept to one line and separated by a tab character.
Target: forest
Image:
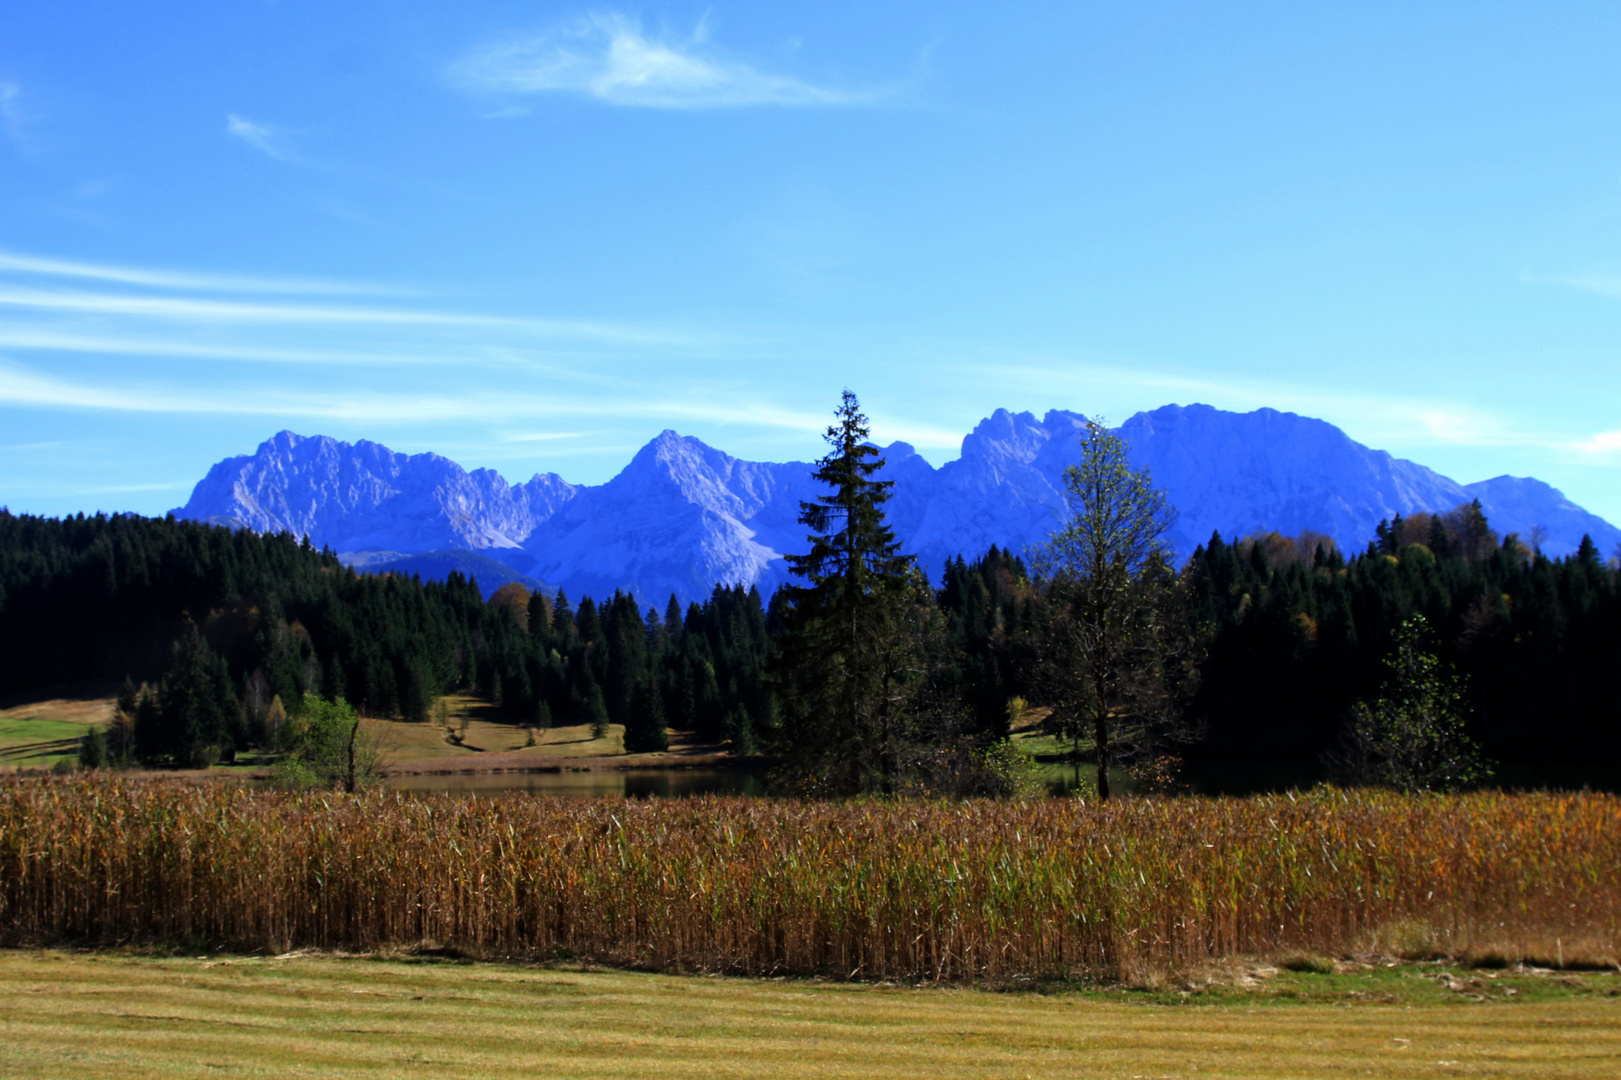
1259	654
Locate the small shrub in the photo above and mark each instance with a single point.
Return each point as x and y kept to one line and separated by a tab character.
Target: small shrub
323	748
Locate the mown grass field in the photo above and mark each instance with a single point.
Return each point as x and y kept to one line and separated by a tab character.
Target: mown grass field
67	1015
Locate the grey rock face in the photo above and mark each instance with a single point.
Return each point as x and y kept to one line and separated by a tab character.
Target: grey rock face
364	497
1268	471
683	517
1521	504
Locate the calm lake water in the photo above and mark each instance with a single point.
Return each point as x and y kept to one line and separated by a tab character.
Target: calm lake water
626	783
1206	778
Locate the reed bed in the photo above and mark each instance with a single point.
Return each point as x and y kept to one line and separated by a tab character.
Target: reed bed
958	891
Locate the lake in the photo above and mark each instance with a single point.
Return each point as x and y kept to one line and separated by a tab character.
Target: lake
619	783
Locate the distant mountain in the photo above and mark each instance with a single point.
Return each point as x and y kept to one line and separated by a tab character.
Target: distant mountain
683	516
1233	473
1530	503
365	497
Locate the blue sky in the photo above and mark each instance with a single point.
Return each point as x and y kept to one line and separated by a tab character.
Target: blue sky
530	236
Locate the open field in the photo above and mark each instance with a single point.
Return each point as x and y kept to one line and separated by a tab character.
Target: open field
38	734
972	891
37	731
491	741
114	1016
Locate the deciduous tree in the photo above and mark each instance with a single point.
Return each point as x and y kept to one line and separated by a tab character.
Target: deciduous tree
1412	737
1106	578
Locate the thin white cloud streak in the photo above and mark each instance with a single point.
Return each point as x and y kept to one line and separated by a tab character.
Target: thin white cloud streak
127	275
189	310
179	309
609	58
21	386
53	341
259	136
1604	444
1601	284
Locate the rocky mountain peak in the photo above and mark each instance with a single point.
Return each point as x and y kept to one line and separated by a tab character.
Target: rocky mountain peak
683	516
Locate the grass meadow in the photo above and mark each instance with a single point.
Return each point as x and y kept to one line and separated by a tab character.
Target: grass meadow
999	893
112	1016
36	734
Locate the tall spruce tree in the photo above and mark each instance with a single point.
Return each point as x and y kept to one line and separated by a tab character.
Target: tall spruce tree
849	659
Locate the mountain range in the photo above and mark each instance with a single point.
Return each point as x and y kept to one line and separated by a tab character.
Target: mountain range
684	516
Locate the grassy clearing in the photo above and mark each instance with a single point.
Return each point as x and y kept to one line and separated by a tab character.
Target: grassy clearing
973	891
116	1016
38	734
407	745
492	741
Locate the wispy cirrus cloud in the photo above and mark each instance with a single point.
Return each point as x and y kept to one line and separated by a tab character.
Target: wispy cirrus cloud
36	339
609	58
1604	444
1598	282
262	137
191	309
24	386
166	279
185	309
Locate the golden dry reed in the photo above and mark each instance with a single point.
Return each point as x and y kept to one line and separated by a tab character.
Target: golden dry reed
915	890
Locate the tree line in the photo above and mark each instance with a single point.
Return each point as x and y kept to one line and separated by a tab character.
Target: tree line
1441	642
210	627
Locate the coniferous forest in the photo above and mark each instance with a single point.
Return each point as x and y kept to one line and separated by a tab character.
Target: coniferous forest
1280	639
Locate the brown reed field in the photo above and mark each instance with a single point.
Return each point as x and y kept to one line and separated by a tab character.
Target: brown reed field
996	892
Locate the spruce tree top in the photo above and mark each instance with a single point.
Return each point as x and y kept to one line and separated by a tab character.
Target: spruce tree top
850	541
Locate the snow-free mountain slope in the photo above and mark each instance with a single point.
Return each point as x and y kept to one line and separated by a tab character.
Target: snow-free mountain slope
1005	489
683	516
1531	503
680	518
1270	471
365	497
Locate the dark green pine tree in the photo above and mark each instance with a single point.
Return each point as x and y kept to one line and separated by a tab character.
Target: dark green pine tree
198	712
645	728
849	660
